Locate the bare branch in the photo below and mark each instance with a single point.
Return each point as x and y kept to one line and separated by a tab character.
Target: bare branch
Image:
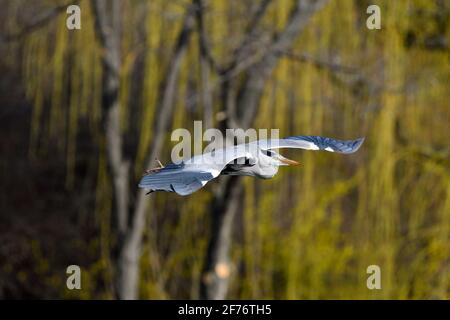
107	34
205	50
251	91
259	13
320	64
243	52
241	109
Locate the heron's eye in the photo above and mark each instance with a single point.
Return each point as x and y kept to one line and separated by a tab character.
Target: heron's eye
268	153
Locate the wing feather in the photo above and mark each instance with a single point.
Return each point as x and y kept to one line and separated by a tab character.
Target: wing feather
190	176
313	143
176	178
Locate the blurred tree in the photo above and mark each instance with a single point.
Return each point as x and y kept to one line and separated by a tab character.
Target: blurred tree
259	54
105	98
130	224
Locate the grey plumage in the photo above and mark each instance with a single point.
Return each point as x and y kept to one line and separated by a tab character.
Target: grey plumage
256	158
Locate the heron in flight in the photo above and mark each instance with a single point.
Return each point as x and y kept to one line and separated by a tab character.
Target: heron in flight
257	159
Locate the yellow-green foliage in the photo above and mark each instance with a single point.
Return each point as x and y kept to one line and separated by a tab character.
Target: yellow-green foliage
312	231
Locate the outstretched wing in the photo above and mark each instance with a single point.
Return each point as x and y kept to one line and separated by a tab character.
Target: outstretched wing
176	178
188	177
313	143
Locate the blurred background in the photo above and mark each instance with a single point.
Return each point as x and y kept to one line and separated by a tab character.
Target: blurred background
85	112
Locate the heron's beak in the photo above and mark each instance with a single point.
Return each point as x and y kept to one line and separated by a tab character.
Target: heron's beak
288	162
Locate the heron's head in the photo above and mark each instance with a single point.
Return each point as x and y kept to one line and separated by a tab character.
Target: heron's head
278	160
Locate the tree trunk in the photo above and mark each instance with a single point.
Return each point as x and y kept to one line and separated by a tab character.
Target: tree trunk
131	223
217	269
131	251
241	109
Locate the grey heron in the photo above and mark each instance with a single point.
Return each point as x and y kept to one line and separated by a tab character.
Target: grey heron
256	159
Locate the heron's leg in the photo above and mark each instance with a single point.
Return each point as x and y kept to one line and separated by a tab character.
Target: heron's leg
159	163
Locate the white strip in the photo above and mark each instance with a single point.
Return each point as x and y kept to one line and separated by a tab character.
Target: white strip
313	146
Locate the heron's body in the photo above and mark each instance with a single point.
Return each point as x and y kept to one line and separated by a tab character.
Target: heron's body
266	168
256	159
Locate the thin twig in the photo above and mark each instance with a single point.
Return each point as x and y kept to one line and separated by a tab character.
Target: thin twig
320	64
205	50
